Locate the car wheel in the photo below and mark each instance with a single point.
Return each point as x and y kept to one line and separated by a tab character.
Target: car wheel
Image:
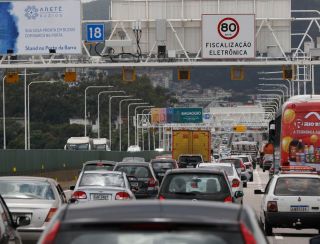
267	228
245	184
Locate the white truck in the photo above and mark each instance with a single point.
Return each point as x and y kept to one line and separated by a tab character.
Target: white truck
78	143
101	144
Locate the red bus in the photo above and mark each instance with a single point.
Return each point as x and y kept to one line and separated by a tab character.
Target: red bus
300	131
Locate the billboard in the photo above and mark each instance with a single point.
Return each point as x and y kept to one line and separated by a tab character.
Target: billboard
187	115
35	27
300	134
228	36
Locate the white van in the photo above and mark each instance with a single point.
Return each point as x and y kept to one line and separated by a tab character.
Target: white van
101	144
78	143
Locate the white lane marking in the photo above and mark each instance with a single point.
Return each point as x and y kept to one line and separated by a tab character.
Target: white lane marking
278	237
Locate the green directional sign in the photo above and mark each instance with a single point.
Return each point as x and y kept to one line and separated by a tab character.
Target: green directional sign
187	115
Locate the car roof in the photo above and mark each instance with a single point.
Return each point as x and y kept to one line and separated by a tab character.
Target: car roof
99	161
153	211
102	172
194	170
133	163
27	178
162	159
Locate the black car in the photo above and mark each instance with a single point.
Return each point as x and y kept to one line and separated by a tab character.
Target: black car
154	222
141	176
98	165
197	184
189	160
8	232
161	165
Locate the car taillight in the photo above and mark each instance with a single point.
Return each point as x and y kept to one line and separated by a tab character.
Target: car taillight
79	195
272	206
161	198
235	183
122	196
51	234
247	235
152	182
50	214
228	199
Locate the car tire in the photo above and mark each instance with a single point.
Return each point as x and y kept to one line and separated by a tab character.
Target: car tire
251	179
267	228
245	184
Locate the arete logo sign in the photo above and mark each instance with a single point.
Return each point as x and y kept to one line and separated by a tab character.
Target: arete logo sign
32	12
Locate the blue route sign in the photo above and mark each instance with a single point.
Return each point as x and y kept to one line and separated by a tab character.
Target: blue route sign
95	32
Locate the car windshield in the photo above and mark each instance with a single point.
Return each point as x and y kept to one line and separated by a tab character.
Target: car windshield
136	171
190	159
236	162
99	147
84	146
296	186
195	183
151	237
162	165
98	166
26	190
102	179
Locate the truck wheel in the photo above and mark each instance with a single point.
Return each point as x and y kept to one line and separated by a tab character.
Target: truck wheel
267	228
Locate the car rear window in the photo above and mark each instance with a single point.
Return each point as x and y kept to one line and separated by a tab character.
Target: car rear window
98	166
159	165
101	179
196	183
227	169
135	170
26	190
236	162
245	159
294	186
165	236
190	159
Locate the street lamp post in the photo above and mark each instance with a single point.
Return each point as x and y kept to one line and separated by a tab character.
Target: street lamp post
129	118
33	82
99	94
110	101
85	105
278	85
120	121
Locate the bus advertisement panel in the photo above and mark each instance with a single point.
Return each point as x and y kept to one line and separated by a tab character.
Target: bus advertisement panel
300	132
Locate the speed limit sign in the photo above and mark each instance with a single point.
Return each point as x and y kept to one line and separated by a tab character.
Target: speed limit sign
228	36
228	28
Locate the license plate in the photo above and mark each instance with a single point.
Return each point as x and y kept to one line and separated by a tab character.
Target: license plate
16	215
98	196
299	208
135	184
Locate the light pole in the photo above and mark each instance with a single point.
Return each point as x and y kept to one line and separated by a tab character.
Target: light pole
33	82
278	85
129	118
4	113
99	94
120	121
274	90
136	119
85	105
110	100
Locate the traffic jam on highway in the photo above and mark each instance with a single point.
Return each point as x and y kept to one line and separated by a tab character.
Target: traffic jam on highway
206	193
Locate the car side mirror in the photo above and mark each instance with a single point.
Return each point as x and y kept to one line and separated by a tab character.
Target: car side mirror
315	240
23	221
238	194
258	191
71	188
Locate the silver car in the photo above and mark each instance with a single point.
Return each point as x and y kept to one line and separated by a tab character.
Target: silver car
35	199
102	185
233	176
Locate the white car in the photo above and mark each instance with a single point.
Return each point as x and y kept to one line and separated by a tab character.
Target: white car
291	200
248	162
233	176
134	148
102	185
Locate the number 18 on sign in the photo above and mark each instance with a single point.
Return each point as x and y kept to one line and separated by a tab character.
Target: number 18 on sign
95	33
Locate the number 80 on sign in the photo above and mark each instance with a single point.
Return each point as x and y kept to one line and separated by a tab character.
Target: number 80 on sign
95	33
